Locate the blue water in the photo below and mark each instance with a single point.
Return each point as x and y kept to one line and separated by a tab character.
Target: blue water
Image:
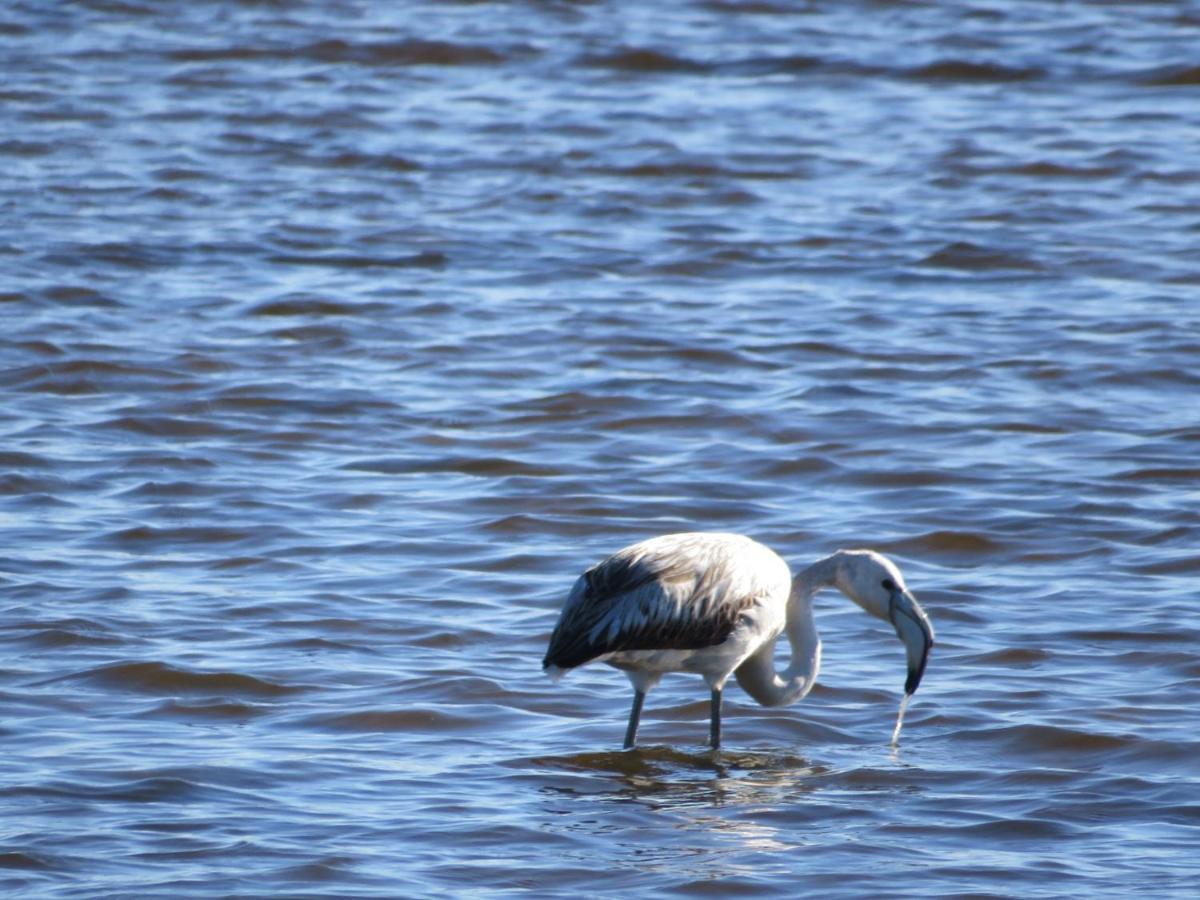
340	338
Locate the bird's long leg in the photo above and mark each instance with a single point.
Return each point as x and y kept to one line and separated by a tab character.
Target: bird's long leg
714	726
635	714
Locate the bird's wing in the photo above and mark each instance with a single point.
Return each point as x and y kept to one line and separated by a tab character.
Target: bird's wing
651	597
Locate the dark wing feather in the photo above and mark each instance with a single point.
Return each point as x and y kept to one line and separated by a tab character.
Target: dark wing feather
634	601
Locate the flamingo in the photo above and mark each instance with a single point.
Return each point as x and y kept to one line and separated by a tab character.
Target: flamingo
714	604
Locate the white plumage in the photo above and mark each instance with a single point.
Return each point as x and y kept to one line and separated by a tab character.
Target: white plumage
714	604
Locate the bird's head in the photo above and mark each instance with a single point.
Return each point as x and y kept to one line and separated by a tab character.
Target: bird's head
874	582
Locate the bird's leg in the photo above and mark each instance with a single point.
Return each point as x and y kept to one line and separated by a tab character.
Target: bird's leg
714	726
639	697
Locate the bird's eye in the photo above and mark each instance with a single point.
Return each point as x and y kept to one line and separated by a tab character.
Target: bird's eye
888	584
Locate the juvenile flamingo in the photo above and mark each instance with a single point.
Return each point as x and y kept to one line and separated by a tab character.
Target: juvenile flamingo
713	604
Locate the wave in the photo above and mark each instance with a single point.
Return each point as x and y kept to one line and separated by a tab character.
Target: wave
973	257
384	53
160	678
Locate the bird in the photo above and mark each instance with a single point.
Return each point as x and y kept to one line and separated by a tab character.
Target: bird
713	604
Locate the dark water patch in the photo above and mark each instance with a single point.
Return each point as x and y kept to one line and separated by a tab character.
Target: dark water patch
790	64
163	678
570	406
14	297
1182	814
207	710
16	859
511	563
972	257
702	170
1043	169
27	487
1171	537
426	259
1185	565
38	501
91	376
141	257
1023	828
91	627
324	870
960	545
1013	657
1150	378
1082	550
332	336
481	467
34	98
407	53
644	60
661	423
1027	427
422	720
382	53
753	8
1171	76
278	398
845	393
921	372
169	461
801	467
201	364
26	149
453	639
517	524
147	536
313	306
172	174
174	195
694	268
255	564
909	479
1073	747
377	162
141	790
959	70
59	638
166	426
351	501
1153	475
793	349
173	490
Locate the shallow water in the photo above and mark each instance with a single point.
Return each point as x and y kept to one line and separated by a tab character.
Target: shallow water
339	338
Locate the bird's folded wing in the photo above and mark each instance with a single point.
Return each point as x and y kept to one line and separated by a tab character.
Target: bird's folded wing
645	602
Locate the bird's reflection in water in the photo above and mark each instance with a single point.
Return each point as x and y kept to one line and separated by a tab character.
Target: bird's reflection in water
731	817
671	777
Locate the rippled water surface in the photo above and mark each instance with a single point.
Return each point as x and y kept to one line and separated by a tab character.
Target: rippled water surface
338	338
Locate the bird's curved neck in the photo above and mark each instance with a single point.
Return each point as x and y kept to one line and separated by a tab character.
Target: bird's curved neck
821	574
757	675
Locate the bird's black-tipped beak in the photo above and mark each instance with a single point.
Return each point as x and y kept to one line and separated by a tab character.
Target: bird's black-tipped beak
915	630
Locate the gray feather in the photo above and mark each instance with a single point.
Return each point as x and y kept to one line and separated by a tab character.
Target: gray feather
649	596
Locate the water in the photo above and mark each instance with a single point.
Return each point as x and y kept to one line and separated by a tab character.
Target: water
904	701
339	338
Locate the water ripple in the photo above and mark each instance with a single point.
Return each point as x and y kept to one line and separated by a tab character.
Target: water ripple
340	339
